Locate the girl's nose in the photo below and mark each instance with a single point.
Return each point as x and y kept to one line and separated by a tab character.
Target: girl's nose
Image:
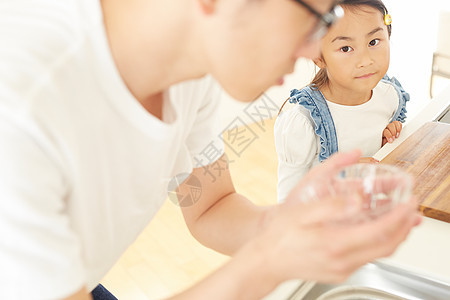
364	59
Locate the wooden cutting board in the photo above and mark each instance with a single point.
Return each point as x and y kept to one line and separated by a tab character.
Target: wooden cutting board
426	155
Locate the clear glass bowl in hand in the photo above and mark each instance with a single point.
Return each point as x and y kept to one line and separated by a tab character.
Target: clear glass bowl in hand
377	187
371	190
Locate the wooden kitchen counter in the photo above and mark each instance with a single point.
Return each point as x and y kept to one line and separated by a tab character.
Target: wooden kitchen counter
426	155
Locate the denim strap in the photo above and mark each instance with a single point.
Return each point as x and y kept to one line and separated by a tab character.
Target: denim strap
403	97
312	99
315	103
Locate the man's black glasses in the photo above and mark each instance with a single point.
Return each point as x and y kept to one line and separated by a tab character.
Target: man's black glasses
325	20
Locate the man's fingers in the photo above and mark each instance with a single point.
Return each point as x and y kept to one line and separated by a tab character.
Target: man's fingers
385	245
320	177
381	236
334	164
327	210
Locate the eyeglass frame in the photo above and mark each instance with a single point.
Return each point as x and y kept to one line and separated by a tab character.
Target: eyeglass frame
325	20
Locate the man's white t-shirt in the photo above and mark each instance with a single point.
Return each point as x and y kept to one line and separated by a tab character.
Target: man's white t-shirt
357	127
83	166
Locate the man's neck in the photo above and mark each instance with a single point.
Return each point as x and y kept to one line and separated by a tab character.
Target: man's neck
152	43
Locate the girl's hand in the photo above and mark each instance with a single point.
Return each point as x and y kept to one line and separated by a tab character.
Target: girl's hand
391	132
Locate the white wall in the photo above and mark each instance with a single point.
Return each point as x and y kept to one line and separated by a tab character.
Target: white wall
413	42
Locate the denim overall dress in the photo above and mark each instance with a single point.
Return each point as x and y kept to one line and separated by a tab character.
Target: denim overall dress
313	100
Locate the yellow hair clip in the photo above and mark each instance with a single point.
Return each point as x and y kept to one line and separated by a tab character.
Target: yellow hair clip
387	19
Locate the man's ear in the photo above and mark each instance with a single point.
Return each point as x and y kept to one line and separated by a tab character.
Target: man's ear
207	6
319	62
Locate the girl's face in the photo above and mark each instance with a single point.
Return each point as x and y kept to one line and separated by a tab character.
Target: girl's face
356	51
251	44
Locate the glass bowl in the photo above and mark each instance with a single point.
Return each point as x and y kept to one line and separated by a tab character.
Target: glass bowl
377	187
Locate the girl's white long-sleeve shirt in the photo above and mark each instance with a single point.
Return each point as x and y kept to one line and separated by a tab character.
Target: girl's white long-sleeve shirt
359	126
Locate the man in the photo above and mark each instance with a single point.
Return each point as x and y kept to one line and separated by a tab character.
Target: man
103	103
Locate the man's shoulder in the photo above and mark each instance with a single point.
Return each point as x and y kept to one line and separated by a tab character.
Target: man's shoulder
40	26
42	37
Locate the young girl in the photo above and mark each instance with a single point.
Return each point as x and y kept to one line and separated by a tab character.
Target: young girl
350	103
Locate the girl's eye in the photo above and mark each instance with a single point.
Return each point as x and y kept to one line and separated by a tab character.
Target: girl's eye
374	42
346	49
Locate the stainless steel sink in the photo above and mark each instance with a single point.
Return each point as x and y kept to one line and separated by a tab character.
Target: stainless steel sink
444	117
377	281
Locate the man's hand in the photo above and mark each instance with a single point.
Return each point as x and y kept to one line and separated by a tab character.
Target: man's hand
294	239
391	132
306	241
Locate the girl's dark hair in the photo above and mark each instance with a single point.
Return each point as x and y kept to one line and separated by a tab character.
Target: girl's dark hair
321	77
